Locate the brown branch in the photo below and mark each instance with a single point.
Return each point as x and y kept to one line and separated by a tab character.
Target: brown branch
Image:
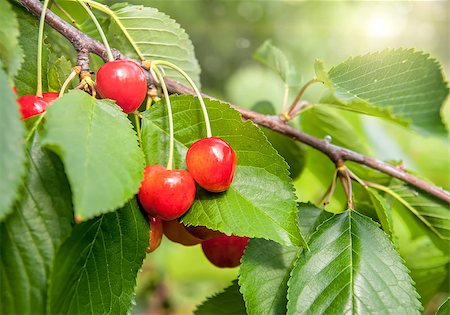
81	41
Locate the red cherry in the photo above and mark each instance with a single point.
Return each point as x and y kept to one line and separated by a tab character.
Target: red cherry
31	105
202	232
177	232
225	251
166	194
123	81
50	96
212	162
156	231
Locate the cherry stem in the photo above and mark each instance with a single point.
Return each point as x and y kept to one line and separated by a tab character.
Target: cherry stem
40	46
137	121
35	126
73	74
194	87
67	14
288	113
99	29
169	113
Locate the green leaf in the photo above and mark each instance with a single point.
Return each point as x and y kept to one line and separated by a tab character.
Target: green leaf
95	269
11	54
276	60
321	73
227	302
26	78
444	309
156	35
433	212
58	70
292	151
266	267
351	267
100	151
383	210
260	202
12	156
30	236
401	84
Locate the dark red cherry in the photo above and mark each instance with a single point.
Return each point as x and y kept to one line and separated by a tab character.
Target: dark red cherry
123	81
31	105
156	232
177	232
50	96
225	251
202	232
166	194
212	162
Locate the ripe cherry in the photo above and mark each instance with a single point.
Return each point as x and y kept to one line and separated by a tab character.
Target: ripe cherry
156	232
212	162
202	232
177	232
31	105
166	194
225	251
123	81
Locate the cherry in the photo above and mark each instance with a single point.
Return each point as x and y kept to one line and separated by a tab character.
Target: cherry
166	194
212	162
31	105
225	251
202	232
178	233
156	232
123	81
50	96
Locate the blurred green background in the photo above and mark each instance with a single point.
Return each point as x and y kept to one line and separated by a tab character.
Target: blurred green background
225	35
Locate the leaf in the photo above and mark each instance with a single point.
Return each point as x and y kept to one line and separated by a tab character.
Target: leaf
11	55
351	267
12	156
292	151
401	84
156	35
260	201
383	210
30	236
433	212
26	78
266	267
276	60
58	70
99	149
95	269
321	73
227	302
444	309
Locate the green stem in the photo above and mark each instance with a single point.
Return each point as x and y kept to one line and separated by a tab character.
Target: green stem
285	98
99	29
330	191
169	112
194	87
39	52
66	83
137	121
300	94
35	126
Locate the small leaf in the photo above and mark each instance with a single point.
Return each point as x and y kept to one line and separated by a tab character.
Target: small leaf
11	55
383	210
58	70
30	236
260	201
351	268
434	212
276	60
227	302
12	156
321	73
157	36
26	79
402	84
99	149
95	269
444	309
266	266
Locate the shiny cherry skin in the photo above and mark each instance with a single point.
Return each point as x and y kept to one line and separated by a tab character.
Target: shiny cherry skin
156	232
124	82
212	163
31	105
166	194
225	251
177	233
202	232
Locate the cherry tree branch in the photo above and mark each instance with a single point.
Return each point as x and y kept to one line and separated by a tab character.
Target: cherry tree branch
84	44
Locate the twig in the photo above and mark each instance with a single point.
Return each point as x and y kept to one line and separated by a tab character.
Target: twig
82	41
